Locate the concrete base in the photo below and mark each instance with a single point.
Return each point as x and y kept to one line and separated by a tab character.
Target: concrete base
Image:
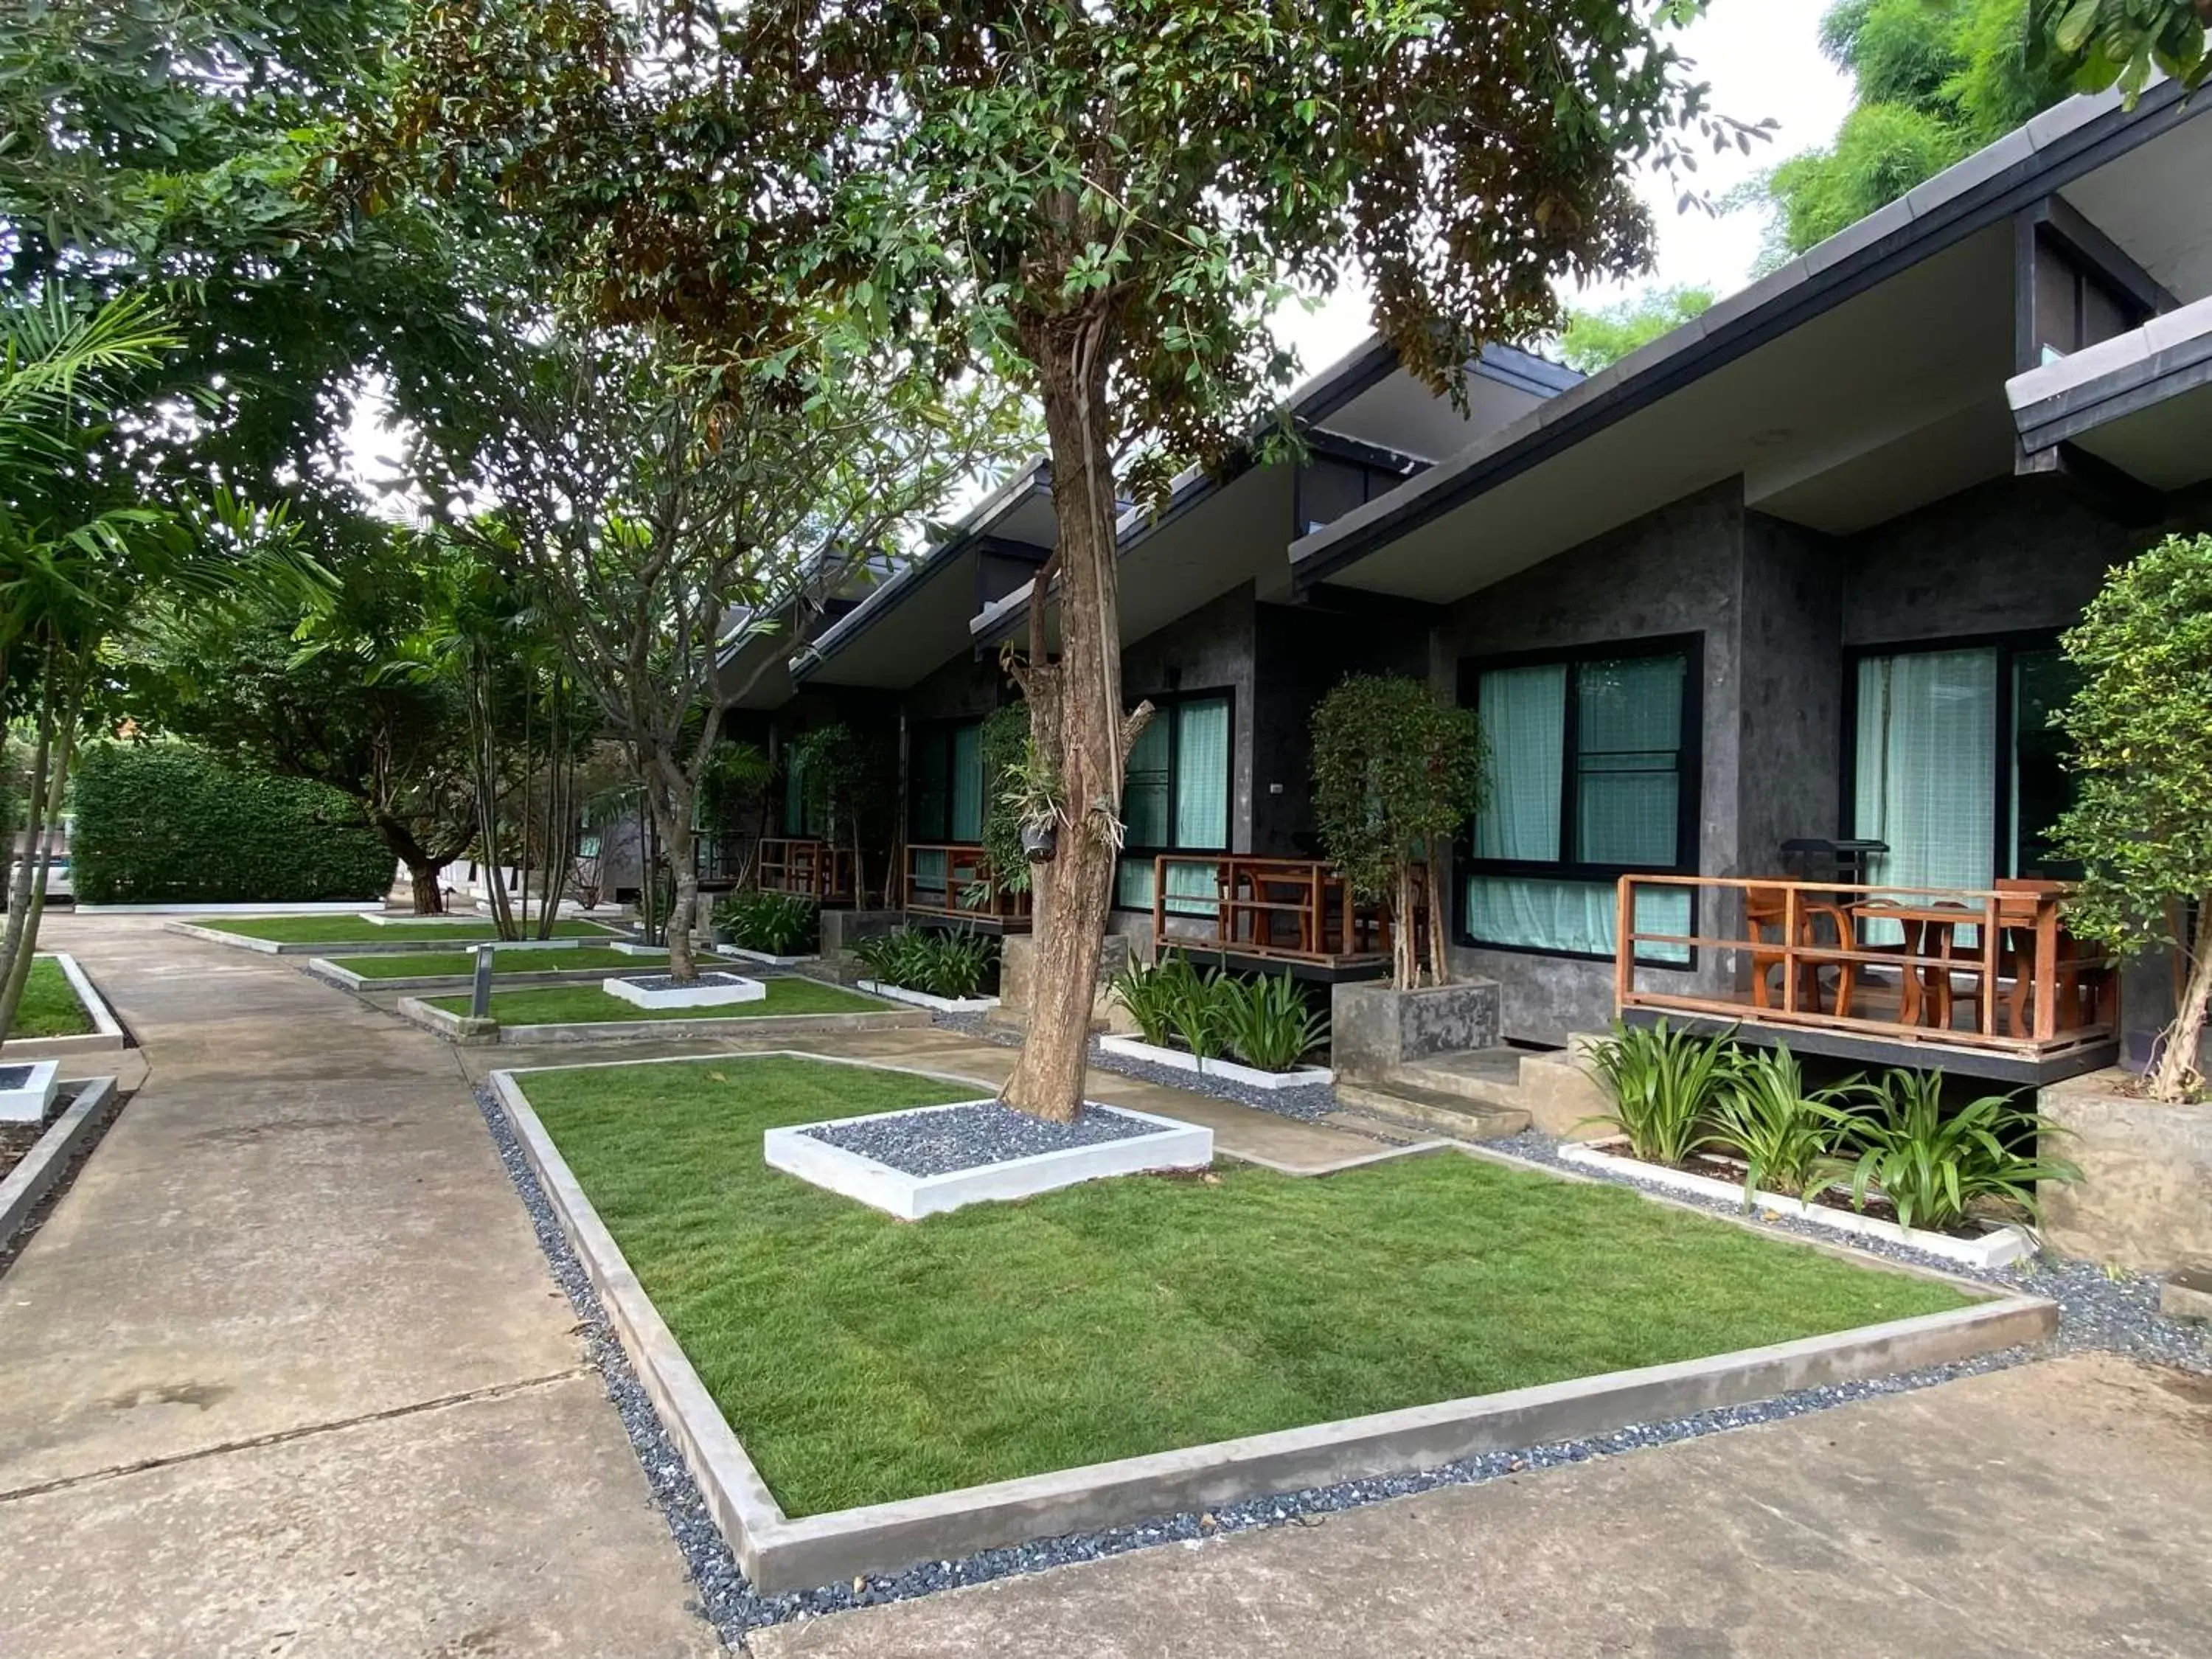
1017	966
910	1197
2144	1201
27	1102
34	1174
1374	1029
843	929
713	991
876	987
2187	1295
1298	1076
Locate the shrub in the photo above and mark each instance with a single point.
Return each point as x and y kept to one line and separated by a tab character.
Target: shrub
780	924
1664	1086
164	824
1267	1023
1263	1022
936	963
1786	1137
1934	1169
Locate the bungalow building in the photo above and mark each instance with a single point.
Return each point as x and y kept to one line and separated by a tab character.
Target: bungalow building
1764	614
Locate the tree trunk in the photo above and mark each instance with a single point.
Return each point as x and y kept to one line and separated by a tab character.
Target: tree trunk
670	799
422	882
1405	940
2177	1073
1439	961
31	840
58	741
1075	713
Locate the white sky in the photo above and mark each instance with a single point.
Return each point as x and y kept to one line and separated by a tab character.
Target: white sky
1762	59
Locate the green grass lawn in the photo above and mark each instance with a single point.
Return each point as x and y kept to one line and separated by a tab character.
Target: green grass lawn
862	1359
50	1006
415	962
561	1005
356	930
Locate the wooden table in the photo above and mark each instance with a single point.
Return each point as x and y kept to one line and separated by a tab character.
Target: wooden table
1927	933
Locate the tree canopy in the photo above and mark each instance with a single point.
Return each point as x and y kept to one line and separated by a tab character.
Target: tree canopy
1600	338
2101	43
1933	81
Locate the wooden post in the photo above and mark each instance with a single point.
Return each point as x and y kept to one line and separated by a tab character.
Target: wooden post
1989	967
1623	944
1159	901
1789	949
2046	969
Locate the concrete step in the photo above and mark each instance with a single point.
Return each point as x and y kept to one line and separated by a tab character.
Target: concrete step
1454	1114
1488	1077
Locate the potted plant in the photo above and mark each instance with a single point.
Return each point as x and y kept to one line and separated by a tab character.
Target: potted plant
1397	771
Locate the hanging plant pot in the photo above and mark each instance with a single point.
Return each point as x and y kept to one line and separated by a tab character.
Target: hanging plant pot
1039	842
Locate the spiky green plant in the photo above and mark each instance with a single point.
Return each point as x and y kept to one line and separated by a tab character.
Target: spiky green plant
1664	1084
1267	1023
1785	1135
1935	1169
781	924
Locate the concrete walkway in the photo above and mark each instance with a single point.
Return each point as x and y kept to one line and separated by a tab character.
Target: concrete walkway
284	1374
2063	1508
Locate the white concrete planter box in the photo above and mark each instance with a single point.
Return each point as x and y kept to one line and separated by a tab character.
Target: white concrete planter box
228	908
909	1197
1995	1248
713	991
763	957
631	948
106	1034
1298	1076
33	1091
923	1000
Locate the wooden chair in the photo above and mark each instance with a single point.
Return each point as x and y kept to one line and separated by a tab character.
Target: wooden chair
1768	907
2020	900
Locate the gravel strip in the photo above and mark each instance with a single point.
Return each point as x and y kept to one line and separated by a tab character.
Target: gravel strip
971	1136
2096	1312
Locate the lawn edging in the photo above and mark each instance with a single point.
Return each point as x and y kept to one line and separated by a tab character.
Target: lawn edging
106	1034
461	1029
30	1180
1999	1248
324	968
1180	1059
876	987
230	908
779	1553
373	947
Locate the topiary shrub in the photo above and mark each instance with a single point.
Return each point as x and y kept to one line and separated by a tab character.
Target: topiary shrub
162	823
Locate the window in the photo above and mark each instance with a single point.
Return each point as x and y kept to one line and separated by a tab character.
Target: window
944	796
1593	774
2074	307
801	817
1175	799
1955	765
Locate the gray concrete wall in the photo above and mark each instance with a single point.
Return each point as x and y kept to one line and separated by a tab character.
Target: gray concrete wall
1788	780
1678	570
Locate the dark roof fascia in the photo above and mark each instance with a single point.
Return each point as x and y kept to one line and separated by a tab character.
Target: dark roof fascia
975	535
1990	201
2128	390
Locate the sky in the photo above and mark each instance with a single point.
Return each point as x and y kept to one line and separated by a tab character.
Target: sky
1762	59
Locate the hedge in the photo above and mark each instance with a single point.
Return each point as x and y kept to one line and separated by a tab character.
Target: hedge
163	823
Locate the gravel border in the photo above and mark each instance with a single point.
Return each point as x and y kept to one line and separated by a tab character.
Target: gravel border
974	1135
2097	1312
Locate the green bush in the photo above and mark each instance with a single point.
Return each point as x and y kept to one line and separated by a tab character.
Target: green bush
163	823
1664	1084
936	963
1784	1133
1263	1022
779	924
1936	1169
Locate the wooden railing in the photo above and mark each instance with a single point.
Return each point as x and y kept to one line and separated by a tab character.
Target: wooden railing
1275	909
2021	984
956	879
821	871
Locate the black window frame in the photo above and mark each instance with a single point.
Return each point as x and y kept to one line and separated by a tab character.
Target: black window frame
2009	647
1689	794
917	733
1164	704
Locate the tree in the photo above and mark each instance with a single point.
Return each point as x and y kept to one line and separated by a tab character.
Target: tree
1397	771
311	691
2142	822
660	510
2101	43
850	782
1934	80
1597	340
1109	200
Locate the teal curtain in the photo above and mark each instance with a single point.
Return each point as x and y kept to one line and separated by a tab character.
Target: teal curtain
967	815
926	766
1201	784
1540	913
1144	790
1628	741
1924	777
1193	889
1524	713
